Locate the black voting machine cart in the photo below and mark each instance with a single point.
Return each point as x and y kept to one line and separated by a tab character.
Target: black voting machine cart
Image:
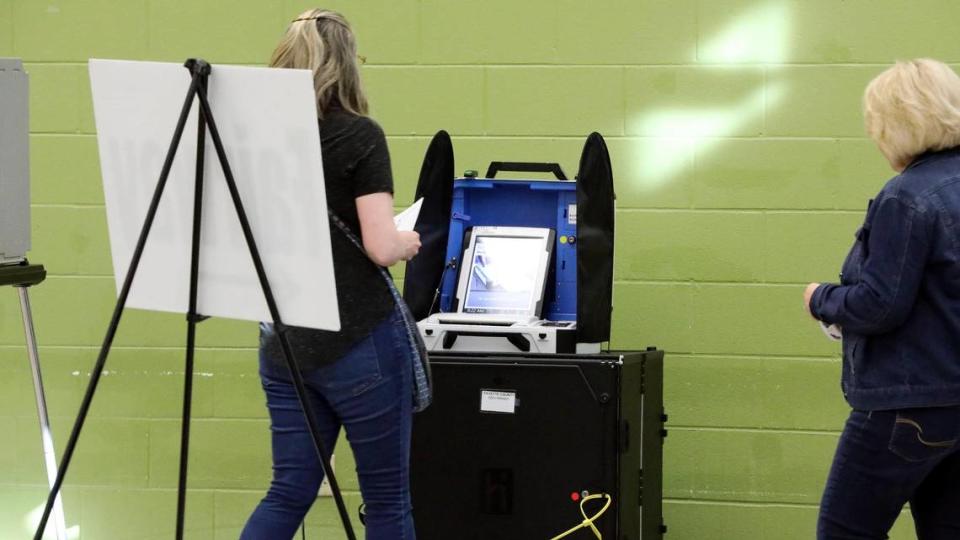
575	425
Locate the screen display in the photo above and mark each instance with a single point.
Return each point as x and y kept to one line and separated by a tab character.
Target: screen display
504	275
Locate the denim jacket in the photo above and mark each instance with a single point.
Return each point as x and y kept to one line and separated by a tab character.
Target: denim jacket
898	300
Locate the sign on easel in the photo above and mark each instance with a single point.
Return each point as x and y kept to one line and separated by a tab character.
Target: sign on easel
267	120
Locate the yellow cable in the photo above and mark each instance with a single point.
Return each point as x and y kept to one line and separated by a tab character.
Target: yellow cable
588	521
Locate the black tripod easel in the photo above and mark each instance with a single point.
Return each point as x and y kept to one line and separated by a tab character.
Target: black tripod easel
200	71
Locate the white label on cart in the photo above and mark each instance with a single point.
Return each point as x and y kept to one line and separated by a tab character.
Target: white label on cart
497	401
572	214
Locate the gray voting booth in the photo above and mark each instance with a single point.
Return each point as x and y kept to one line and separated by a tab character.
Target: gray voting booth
14	162
15	271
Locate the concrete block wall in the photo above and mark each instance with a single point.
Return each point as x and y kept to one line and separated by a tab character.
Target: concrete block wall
741	169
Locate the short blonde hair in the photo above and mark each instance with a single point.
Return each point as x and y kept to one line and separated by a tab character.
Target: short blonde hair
322	41
912	108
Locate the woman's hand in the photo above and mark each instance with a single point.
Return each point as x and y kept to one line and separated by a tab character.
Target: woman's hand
409	244
385	245
808	295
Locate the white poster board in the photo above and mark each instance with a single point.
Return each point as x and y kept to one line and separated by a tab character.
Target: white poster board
267	121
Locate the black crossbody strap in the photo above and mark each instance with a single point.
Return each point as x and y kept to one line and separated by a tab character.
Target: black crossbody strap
422	376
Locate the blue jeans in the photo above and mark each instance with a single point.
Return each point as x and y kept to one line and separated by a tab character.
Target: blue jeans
369	393
886	459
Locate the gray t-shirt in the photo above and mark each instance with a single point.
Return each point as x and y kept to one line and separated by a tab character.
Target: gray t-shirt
356	162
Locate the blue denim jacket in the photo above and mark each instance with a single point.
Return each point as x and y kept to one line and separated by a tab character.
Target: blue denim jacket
898	301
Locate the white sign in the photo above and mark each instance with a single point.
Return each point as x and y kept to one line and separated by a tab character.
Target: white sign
498	401
267	121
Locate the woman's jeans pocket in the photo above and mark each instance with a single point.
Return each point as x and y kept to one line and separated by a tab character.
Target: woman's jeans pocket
924	434
354	373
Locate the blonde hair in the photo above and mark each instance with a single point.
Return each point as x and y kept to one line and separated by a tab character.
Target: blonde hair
322	41
912	108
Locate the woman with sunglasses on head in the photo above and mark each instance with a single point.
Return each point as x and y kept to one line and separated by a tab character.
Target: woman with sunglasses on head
360	377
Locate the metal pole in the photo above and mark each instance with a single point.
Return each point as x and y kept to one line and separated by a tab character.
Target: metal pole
200	72
49	455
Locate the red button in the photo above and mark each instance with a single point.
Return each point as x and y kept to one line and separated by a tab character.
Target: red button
575	496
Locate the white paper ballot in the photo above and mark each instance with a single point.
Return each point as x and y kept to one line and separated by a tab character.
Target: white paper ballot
407	220
832	331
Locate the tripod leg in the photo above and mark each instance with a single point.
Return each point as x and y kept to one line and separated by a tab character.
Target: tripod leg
49	455
192	320
185	429
117	311
308	412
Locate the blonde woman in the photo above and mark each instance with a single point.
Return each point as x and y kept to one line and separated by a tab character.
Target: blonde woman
898	306
360	377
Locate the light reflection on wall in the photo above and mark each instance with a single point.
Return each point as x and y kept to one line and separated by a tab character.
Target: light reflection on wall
758	36
32	520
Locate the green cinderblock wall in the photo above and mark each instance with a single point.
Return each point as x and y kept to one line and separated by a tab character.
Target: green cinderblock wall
741	170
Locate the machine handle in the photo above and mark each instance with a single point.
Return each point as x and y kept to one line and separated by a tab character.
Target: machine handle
525	166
